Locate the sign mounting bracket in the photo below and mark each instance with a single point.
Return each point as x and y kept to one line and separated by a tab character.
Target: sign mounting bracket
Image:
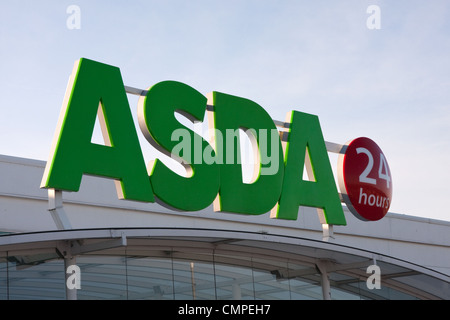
55	206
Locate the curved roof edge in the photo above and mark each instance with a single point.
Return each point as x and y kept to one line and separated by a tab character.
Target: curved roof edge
38	239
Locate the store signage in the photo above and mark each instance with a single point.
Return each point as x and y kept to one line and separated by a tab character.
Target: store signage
96	90
365	179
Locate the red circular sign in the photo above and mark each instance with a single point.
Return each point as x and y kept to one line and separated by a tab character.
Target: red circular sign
365	179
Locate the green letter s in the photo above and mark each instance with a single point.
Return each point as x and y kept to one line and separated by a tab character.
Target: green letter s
156	114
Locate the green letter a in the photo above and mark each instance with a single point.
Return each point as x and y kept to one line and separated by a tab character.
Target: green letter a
305	137
73	154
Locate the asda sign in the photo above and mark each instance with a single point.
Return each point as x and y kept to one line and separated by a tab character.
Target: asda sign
213	168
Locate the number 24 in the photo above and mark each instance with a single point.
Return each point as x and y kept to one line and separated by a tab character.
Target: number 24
364	175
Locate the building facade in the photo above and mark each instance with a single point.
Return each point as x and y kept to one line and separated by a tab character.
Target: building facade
91	245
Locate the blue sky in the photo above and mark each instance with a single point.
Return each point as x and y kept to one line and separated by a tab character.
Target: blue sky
319	57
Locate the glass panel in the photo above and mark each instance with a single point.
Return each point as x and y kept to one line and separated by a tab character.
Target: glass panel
3	279
202	275
102	277
31	278
353	285
304	282
435	287
267	283
385	292
344	287
390	287
149	278
194	280
233	283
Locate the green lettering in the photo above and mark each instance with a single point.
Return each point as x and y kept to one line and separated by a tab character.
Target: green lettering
230	114
97	87
305	138
156	115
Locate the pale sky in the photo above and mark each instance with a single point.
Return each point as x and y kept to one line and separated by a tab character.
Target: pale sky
390	84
